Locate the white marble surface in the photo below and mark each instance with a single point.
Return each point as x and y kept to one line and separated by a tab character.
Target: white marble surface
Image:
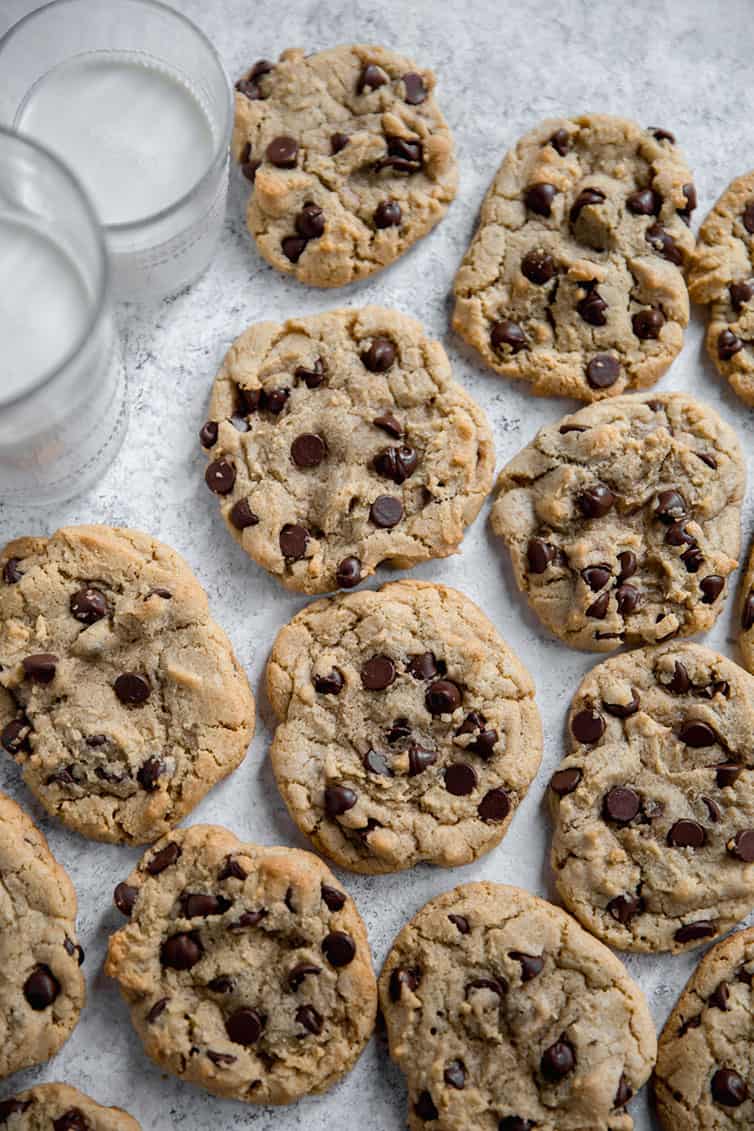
501	66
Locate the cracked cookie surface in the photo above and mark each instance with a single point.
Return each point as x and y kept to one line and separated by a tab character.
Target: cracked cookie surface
247	969
653	843
120	698
42	991
407	728
350	160
505	1015
341	441
574	279
623	520
58	1107
704	1079
722	277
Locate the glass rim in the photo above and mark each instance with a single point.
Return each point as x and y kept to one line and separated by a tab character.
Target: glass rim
103	281
220	151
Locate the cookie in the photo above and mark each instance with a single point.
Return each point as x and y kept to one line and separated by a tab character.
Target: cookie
58	1107
746	614
120	698
407	728
340	442
42	990
722	277
653	806
703	1079
506	1016
247	970
574	279
350	160
622	520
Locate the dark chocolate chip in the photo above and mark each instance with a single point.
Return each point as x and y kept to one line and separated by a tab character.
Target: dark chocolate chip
727	774
623	710
644	202
539	197
422	665
728	345
561	141
648	323
232	869
386	511
71	1120
496	986
443	697
455	1075
13	1107
293	247
310	221
132	689
163	859
748	216
662	135
693	559
208	434
742	846
274	400
564	782
245	1026
558	1060
149	774
681	682
330	684
181	951
697	734
380	355
621	804
538	266
506	333
628	599
461	923
333	899
313	376
339	949
348	573
515	1123
41	988
532	965
376	763
714	812
596	577
727	1087
720	997
124	898
711	586
396	463
200	905
416	91
371	77
623	1093
242	516
339	799
628	565
301	971
494	806
460	779
425	1107
378	673
89	605
248	919
308	450
388	423
603	371
593	308
598	609
387	214
420	760
587	197
15	736
220	477
740	294
587	725
695	932
624	907
294	540
686	834
282	152
40	667
663	243
670	506
403	976
596	501
539	554
307	1016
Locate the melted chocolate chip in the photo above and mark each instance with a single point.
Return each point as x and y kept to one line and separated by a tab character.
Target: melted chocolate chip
644	202
40	668
648	323
200	905
695	932
539	197
378	673
220	477
387	214
538	266
339	949
293	247
163	859
41	988
711	587
727	774
420	760
245	1026
443	697
539	554
727	1087
506	333
561	141
664	244
380	355
149	774
621	804
311	1020
310	221
371	78
603	371
397	463
697	734
624	907
333	899
623	710
742	846
301	971
330	684
416	91
461	923
460	779
587	197
242	516
348	573
124	898
88	605
377	763
282	152
132	689
596	501
593	309
339	799
386	511
403	976
686	834
564	782
181	951
15	736
308	450
558	1060
294	540
740	294
532	965
494	806
728	345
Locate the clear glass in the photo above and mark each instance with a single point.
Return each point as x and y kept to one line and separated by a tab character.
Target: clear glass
131	51
62	385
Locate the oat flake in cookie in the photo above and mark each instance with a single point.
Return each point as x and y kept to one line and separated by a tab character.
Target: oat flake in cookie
120	698
339	442
58	1107
704	1079
505	1015
42	991
623	520
574	279
349	158
247	969
653	845
408	729
722	277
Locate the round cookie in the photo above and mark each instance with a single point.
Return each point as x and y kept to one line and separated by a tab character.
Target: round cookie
722	276
574	279
339	442
704	1080
120	698
506	1016
622	520
350	160
407	728
746	614
247	970
653	841
42	991
58	1107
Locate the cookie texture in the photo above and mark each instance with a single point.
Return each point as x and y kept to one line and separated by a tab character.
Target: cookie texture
42	991
574	279
506	1016
703	1079
746	614
58	1107
350	160
247	970
120	698
339	442
407	728
623	520
653	806
722	277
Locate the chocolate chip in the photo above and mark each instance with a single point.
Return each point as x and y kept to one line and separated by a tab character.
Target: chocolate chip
587	725
539	554
403	976
282	152
245	1026
339	799
165	858
740	294
274	400
221	1059
397	463
293	247
678	535
242	516
728	345
41	988
208	434
670	506
697	734
727	774
348	573
727	1087
388	423
603	371
592	309
689	191
628	565
564	782
420	760
220	477
695	932
624	907
596	501
623	710
532	965
713	810
380	355
623	1093
11	573
648	323
596	577
507	333
72	1120
461	923
496	986
308	450
232	869
124	898
149	774
404	155
249	165
339	949
386	511
310	221
371	77
644	202
330	684
415	89
621	804
747	614
494	806
561	141
293	541
587	196
711	586
628	599
538	266
333	899
301	971
422	665
425	1107
200	905
15	736
13	1107
663	243
72	949
686	834
88	605
748	216
598	609
515	1123
443	697
40	667
681	682
558	1061
742	846
693	559
376	763
460	779
181	951
539	197
132	689
707	458
338	141
387	214
663	135
307	1016
378	673
720	997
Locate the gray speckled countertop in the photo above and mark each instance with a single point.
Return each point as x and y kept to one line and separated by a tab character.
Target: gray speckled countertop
502	65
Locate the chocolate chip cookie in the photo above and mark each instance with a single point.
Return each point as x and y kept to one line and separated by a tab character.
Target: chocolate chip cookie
746	614
722	277
622	520
247	969
120	697
350	160
42	990
653	845
506	1016
574	279
408	729
58	1107
704	1079
340	442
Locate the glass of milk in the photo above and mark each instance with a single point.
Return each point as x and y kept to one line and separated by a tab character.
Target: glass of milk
134	98
62	388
